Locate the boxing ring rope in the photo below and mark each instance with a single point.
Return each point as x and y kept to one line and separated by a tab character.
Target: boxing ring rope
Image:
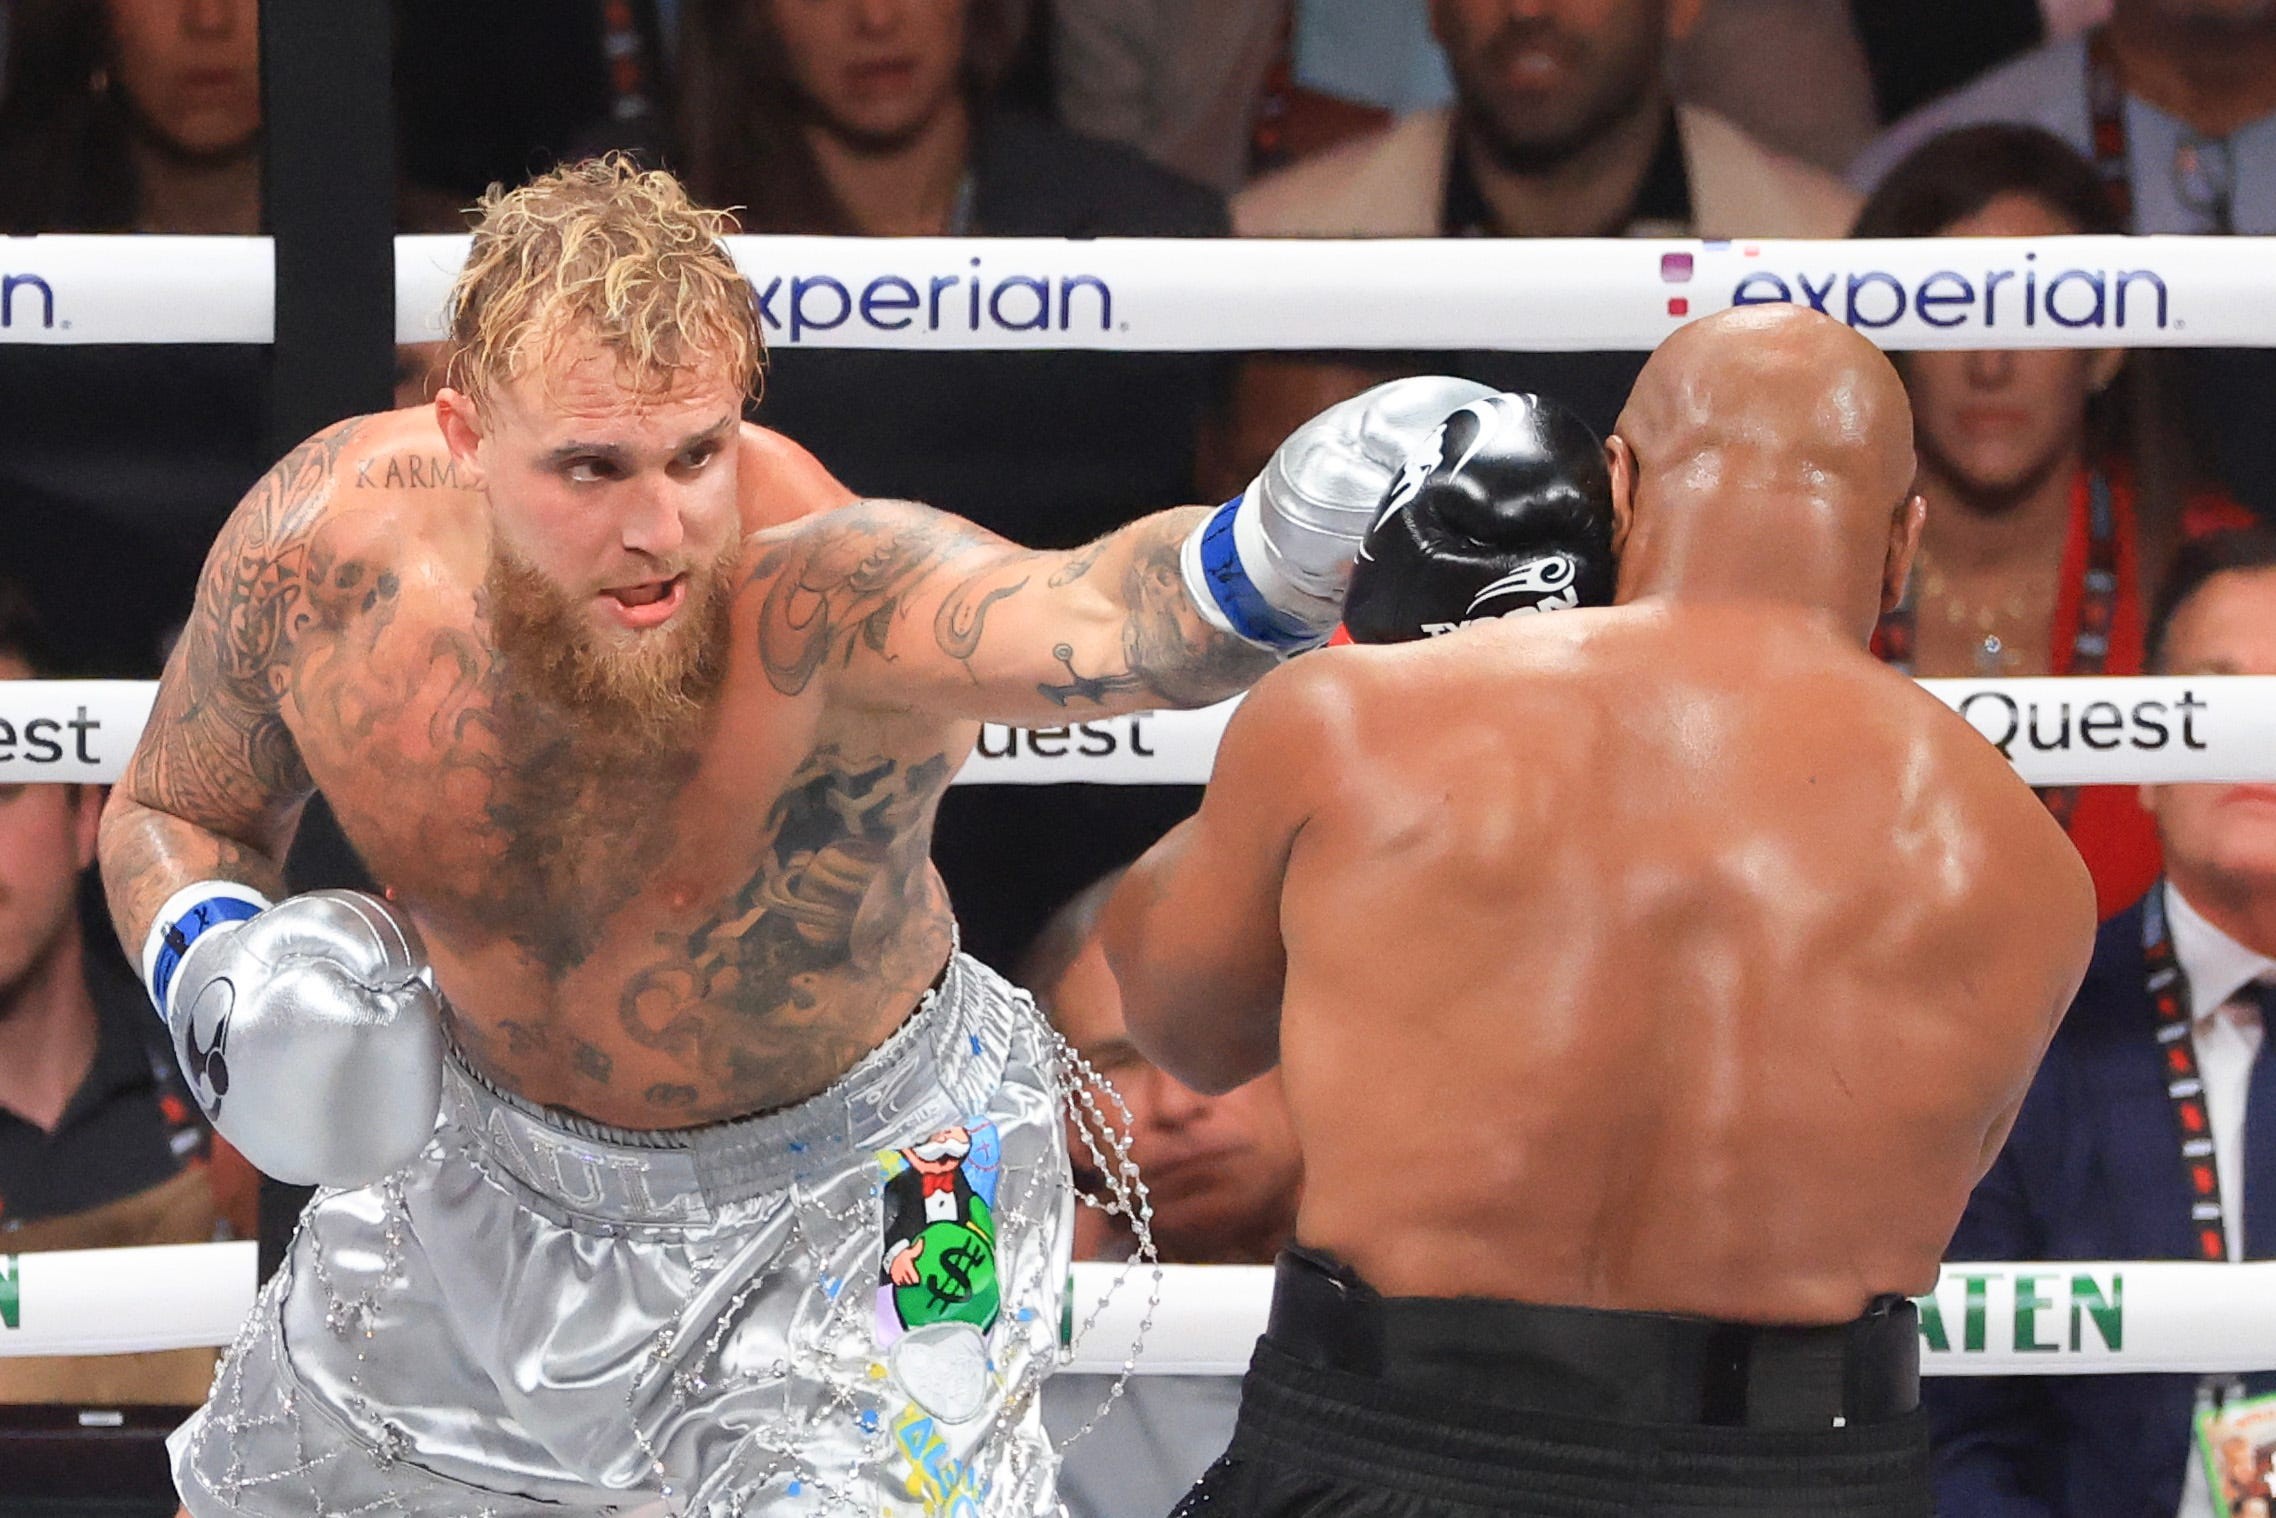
1198	295
2066	1318
2083	730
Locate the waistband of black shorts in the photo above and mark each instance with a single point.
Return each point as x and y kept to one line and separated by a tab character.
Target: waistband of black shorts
1640	1367
937	1069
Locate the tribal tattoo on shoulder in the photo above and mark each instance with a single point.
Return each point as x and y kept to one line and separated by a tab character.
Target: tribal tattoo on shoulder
834	593
216	748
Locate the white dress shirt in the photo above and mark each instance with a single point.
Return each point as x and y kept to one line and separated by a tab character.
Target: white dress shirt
2225	1029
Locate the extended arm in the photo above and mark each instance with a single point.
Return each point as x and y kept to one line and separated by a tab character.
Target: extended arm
1193	931
900	606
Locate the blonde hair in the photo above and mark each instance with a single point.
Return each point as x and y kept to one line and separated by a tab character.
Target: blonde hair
608	249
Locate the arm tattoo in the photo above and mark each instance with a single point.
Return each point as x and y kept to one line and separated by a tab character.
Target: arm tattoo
217	780
1172	654
835	592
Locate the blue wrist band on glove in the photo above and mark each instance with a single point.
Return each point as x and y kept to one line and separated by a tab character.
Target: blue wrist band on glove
172	937
1243	605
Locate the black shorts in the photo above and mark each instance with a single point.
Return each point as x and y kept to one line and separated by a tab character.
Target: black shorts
1360	1406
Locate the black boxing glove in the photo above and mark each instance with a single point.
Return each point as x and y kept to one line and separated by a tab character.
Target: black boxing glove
1506	508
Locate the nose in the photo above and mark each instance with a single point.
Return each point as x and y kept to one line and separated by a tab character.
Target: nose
1990	368
210	18
875	16
653	525
1174	1104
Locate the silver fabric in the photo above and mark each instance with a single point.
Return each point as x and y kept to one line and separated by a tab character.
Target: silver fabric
1324	486
542	1315
311	1034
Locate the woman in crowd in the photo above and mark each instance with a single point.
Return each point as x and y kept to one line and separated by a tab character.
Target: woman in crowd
2053	502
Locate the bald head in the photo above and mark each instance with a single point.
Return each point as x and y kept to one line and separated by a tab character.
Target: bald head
1760	444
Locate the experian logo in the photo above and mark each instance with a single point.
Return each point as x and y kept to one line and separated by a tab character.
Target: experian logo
1868	299
800	304
12	285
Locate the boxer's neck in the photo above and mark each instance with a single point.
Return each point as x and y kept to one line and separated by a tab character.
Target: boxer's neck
47	1033
1697	544
907	191
2215	78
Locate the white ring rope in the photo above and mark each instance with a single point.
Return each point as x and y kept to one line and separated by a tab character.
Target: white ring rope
2087	730
2058	1318
1199	295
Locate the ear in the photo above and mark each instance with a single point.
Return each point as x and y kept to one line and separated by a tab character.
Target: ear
461	425
1904	547
1620	463
87	823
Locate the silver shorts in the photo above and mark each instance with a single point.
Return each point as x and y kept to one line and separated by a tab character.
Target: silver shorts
845	1307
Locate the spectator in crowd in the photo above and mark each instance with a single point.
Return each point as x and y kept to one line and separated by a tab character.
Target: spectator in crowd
2118	1154
2175	100
876	116
1564	125
1223	1174
133	116
99	1144
2050	503
1218	89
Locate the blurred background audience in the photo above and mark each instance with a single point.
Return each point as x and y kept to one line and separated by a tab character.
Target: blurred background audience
2115	1156
1223	1174
99	1143
2057	490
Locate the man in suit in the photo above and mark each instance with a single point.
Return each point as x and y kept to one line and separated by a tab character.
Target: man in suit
2150	1131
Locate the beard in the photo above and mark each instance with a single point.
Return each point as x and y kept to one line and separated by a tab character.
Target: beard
1615	75
649	693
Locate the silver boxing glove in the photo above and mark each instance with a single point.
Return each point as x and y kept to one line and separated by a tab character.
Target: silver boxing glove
310	1031
1272	564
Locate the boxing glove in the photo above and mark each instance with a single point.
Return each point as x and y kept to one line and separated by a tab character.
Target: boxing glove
1506	507
310	1031
1271	565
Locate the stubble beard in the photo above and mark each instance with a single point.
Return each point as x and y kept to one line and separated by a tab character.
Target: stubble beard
649	697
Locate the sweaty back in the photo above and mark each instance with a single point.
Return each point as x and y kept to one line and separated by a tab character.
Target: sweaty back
1669	958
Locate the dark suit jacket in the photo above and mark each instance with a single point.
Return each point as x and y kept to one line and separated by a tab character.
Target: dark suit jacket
2093	1171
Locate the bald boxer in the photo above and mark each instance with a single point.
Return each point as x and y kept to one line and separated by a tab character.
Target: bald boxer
748	1194
1650	985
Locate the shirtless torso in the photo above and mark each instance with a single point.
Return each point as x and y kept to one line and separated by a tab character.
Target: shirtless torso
1672	956
1722	1010
649	942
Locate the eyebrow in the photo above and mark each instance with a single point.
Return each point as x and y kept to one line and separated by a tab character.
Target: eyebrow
616	453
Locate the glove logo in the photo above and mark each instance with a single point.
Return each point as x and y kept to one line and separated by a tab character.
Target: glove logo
1549	580
208	1068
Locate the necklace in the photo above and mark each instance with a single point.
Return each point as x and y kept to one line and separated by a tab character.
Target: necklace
1997	627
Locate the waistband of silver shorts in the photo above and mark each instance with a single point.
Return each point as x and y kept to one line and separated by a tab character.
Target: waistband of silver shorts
938	1069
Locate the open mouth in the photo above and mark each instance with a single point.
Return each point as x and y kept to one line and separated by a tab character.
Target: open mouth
647	603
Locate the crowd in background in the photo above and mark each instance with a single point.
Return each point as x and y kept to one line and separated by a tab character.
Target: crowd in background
2066	486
